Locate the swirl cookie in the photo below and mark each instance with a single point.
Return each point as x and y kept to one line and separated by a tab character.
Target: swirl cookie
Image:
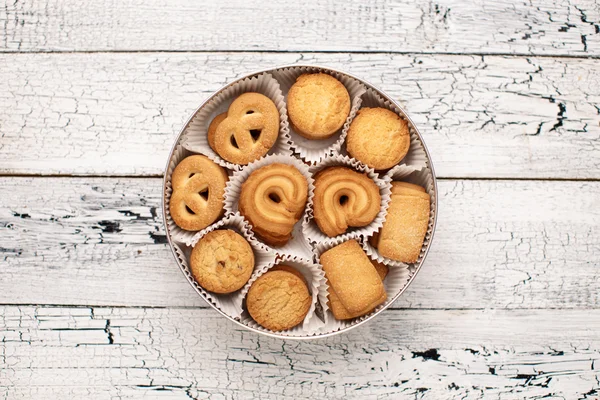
378	137
272	199
278	300
222	261
344	198
248	131
355	286
318	105
403	232
198	187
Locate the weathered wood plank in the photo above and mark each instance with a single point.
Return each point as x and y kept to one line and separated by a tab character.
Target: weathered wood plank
130	352
568	27
499	244
119	113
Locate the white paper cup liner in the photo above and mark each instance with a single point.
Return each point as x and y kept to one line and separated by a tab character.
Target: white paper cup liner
230	304
315	277
177	234
298	245
395	281
309	226
195	136
416	155
313	151
421	177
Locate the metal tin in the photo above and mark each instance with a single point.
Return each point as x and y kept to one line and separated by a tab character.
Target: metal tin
417	267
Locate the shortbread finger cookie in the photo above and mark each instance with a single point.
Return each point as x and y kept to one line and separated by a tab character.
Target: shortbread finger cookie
198	187
401	237
353	279
336	306
378	137
249	130
222	261
318	105
278	300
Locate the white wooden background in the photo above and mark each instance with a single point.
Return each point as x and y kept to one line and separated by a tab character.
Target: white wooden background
507	95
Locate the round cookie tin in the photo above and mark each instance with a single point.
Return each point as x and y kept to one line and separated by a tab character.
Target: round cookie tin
367	94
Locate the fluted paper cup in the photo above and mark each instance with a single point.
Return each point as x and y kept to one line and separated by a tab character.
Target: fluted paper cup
298	245
231	303
314	276
313	151
309	226
195	135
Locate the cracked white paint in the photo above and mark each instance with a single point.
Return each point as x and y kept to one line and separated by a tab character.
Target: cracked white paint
119	113
565	27
63	352
498	244
506	305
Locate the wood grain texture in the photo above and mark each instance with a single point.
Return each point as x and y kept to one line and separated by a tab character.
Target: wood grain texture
499	244
119	113
132	352
566	27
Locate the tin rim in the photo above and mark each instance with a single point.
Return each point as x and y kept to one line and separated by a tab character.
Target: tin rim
417	267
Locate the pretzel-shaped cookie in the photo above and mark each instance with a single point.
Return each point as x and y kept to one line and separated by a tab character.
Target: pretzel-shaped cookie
344	198
198	188
249	130
272	199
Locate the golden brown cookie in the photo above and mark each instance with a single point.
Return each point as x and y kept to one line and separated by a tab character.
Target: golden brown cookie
318	105
212	129
403	232
381	268
378	137
222	261
272	199
278	300
198	187
344	198
336	306
249	130
354	281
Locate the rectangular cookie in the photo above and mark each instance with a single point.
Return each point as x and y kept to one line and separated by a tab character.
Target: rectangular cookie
356	286
401	237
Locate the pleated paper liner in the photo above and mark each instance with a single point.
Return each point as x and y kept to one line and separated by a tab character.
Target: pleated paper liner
177	234
315	277
298	245
195	136
395	281
421	177
416	155
313	151
230	304
310	228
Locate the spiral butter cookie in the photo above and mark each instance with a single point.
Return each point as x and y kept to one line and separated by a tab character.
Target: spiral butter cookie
378	137
272	199
198	187
278	300
249	130
318	105
344	198
222	261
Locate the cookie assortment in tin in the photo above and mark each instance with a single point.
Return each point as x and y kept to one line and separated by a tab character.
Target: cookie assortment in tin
325	184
